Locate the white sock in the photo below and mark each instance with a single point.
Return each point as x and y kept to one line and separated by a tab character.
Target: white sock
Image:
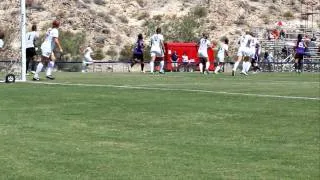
151	66
201	67
236	64
38	70
49	68
207	65
161	65
248	66
244	66
217	69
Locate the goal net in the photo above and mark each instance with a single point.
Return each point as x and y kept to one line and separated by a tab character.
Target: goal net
13	27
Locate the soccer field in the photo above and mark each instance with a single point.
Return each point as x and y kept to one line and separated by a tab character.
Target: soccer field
172	126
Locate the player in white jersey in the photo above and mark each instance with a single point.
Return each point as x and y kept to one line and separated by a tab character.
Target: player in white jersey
31	37
222	52
47	47
243	53
157	50
87	60
204	44
1	41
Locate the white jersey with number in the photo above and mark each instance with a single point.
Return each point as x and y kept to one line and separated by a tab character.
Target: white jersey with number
1	43
30	38
221	52
244	42
48	45
253	44
156	41
204	44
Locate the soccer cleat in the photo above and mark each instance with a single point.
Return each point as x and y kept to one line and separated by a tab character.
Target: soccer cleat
233	73
35	79
161	72
50	77
244	73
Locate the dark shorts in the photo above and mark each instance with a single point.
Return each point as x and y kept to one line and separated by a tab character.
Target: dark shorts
203	60
30	52
298	56
138	57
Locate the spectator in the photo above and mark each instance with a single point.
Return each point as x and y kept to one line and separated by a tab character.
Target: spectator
185	59
282	34
174	60
275	34
311	49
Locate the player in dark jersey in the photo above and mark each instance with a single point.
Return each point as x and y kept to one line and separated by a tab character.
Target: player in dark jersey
138	53
300	51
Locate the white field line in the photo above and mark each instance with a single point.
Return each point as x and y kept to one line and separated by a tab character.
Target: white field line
177	89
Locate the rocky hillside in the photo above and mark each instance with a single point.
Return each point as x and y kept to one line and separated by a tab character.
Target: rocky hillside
112	24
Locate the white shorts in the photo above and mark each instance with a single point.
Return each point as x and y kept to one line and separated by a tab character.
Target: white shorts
157	54
46	53
244	51
220	58
203	54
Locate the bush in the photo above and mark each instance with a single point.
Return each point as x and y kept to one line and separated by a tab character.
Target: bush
140	2
99	2
200	11
179	29
126	53
143	15
112	53
288	15
98	54
71	42
123	19
241	20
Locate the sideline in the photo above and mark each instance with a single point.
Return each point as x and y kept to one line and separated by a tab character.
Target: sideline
176	89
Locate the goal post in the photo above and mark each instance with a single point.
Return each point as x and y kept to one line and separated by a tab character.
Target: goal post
23	24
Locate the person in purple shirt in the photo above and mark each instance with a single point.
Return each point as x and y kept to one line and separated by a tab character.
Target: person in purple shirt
138	53
300	51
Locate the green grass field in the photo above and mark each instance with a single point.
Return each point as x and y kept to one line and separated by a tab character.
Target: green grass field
173	126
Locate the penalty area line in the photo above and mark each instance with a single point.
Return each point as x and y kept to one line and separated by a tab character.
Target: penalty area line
176	89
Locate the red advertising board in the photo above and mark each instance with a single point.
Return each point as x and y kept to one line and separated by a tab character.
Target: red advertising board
191	50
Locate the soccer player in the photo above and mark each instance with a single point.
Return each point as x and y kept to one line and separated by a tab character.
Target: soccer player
157	50
300	50
222	52
31	37
47	47
255	51
87	60
1	41
204	44
243	53
138	53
